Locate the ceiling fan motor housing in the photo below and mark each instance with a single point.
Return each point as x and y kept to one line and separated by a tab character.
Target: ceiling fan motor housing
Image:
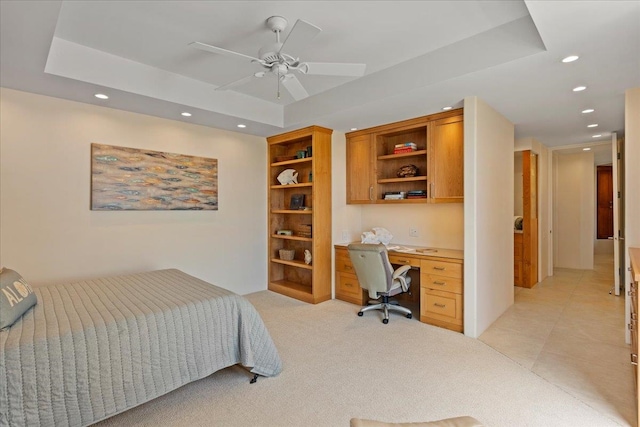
269	53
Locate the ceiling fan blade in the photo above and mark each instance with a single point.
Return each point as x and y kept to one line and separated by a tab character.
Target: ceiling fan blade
335	69
299	36
241	81
221	51
295	88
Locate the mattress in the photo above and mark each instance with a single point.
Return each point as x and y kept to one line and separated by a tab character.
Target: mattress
91	349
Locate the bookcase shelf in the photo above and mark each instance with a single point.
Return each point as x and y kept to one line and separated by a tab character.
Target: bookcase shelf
294	278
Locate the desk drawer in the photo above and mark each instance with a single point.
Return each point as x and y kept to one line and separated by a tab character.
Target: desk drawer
441	306
401	259
441	268
348	285
441	283
345	265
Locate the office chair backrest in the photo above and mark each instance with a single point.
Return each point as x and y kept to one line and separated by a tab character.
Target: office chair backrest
372	266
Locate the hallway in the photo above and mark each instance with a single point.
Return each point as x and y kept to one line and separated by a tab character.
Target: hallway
570	331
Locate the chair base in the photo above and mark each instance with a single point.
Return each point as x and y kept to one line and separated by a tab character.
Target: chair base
385	306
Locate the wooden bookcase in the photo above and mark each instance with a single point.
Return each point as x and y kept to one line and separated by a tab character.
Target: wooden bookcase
311	227
372	166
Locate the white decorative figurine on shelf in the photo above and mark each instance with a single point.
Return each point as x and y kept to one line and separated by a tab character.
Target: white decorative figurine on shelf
307	256
288	176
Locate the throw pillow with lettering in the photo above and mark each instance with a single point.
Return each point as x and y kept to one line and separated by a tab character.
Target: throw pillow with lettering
16	297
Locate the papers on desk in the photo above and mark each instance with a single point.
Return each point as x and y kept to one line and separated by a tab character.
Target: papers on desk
406	249
400	249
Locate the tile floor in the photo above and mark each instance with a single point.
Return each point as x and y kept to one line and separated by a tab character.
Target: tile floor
570	331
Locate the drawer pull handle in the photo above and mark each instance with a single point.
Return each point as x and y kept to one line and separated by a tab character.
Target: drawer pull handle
634	359
630	325
346	267
439	305
439	268
631	293
402	261
634	316
440	283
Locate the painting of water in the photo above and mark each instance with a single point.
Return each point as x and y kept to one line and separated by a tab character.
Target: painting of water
133	179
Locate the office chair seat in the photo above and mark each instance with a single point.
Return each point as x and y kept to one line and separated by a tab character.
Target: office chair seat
376	274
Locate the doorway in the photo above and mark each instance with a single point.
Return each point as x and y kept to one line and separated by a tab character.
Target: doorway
604	192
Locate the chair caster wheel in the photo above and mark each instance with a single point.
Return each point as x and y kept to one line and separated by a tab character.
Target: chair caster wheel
409	316
385	321
360	313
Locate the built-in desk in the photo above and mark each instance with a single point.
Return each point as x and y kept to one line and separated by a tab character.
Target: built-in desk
440	281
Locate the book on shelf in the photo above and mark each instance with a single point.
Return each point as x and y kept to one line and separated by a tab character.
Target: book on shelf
417	193
406	144
417	197
394	195
403	150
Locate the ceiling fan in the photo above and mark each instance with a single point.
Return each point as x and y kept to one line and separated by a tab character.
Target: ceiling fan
280	64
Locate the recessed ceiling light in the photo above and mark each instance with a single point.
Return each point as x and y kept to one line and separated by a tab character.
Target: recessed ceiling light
186	114
586	149
579	88
354	128
596	136
593	125
101	96
447	108
242	126
570	58
588	110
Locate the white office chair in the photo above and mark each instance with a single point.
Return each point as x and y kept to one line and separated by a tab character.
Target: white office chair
377	276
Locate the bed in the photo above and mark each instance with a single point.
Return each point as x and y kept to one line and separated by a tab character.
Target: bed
92	349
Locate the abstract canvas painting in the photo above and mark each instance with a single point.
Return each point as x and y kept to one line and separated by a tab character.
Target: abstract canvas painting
133	179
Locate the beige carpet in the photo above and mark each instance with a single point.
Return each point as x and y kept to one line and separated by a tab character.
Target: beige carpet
338	366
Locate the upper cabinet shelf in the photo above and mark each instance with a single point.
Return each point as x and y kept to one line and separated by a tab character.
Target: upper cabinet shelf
397	156
376	164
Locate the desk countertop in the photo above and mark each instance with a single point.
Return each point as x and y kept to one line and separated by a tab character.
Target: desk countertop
417	250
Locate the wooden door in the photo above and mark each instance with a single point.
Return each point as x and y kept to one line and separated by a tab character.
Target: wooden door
447	160
530	219
605	202
360	169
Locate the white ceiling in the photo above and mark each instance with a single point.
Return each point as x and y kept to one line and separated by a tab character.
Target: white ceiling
420	56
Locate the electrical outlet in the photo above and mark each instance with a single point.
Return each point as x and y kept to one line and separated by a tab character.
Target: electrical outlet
413	232
346	236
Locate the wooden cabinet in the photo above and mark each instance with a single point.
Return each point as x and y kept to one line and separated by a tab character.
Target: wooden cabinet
372	165
347	285
447	160
634	256
441	293
517	259
310	226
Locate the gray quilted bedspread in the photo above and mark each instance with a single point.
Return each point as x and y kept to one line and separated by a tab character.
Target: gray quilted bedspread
92	349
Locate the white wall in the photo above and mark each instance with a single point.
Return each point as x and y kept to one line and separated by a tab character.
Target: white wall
48	233
440	226
488	215
574	202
